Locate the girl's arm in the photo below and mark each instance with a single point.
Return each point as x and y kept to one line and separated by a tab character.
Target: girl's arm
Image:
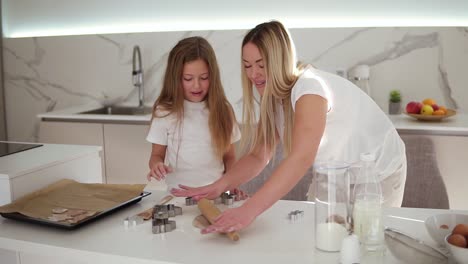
229	158
243	170
156	163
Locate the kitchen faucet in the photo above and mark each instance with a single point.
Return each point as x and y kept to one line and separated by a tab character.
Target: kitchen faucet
137	74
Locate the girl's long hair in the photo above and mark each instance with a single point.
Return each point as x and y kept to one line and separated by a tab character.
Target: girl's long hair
279	57
171	99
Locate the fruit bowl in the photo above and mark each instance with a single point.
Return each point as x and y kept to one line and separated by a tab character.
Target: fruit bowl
450	112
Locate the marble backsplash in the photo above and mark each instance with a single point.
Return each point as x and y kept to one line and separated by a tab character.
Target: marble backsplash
51	73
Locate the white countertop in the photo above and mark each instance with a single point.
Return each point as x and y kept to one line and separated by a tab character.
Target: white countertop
455	125
272	238
24	162
70	115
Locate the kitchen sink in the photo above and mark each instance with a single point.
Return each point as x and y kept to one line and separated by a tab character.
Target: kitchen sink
119	110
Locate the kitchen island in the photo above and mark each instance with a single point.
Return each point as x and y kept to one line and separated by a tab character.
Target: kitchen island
272	238
22	172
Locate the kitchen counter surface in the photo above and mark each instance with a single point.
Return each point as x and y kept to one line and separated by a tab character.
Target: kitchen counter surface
456	125
452	126
272	238
35	159
70	115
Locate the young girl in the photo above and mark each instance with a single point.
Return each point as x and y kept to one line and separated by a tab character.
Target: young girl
317	115
193	127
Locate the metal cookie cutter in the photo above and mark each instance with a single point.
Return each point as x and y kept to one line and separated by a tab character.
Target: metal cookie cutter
161	214
171	209
294	215
162	224
225	198
190	201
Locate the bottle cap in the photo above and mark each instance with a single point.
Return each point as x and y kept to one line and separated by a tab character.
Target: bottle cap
367	156
350	250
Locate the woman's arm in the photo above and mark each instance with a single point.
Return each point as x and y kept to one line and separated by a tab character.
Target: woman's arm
309	125
310	119
246	168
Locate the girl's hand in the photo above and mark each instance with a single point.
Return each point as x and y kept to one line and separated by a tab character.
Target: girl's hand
231	220
210	191
240	195
158	171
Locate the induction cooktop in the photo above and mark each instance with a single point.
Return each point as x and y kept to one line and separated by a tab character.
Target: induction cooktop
7	148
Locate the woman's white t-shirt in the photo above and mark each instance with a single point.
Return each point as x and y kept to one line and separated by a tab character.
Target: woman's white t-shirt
355	123
189	150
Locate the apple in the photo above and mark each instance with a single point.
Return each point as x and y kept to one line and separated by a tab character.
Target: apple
435	107
427	110
414	107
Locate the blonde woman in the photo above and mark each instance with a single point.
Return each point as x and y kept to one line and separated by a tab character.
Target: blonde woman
317	116
193	126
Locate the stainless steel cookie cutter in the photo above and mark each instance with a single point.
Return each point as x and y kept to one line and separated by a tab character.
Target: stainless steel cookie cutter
225	198
162	224
171	209
190	201
294	215
161	215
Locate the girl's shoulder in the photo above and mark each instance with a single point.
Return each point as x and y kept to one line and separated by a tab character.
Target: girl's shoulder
162	112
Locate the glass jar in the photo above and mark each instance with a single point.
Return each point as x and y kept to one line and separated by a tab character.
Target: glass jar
332	204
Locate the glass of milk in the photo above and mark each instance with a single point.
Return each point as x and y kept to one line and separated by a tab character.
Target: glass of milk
332	196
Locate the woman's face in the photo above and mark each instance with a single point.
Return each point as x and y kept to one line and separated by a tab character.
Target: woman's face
254	66
195	80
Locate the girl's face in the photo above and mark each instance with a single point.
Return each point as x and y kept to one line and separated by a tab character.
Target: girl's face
254	66
195	80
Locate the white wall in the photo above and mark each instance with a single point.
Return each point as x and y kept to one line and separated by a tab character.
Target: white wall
50	73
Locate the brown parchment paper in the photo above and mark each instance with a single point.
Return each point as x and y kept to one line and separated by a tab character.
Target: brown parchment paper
73	195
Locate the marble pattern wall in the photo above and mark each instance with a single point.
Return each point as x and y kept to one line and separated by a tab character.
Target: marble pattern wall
51	73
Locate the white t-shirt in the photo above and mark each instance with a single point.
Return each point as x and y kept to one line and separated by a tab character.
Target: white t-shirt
355	123
189	146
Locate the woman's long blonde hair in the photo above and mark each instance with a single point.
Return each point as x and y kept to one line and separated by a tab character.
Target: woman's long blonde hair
171	99
279	57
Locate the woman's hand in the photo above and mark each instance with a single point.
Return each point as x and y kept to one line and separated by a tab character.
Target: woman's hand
158	171
231	220
210	191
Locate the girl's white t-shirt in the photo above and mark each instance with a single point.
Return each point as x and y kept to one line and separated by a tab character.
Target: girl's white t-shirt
190	150
355	123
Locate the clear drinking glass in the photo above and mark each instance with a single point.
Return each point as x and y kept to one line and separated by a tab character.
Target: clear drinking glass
332	204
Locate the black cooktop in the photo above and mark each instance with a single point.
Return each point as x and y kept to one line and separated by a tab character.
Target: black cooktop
7	148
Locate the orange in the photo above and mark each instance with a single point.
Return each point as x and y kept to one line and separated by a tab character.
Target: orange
438	112
443	109
429	101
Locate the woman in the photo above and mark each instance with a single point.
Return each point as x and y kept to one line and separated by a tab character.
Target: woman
317	116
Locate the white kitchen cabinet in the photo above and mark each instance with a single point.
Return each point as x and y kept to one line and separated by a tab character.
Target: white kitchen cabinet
75	133
71	133
128	153
9	256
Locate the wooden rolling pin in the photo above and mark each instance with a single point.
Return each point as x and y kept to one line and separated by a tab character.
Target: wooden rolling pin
210	211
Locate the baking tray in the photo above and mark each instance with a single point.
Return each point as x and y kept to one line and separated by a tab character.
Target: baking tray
69	226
